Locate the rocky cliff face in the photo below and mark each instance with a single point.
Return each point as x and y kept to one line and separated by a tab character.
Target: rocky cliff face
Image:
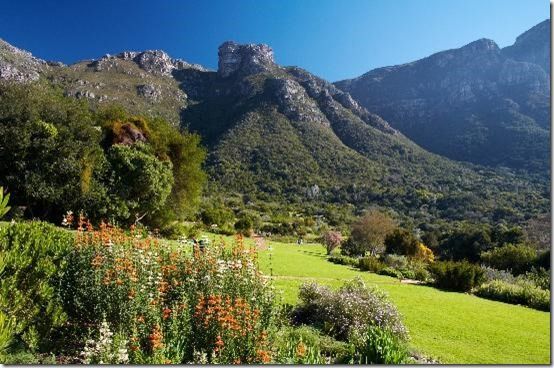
532	46
248	59
477	103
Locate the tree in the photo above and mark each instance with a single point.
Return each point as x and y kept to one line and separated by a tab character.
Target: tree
517	258
369	232
331	240
467	242
401	241
140	181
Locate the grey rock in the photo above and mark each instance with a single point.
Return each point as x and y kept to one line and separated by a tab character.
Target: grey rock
248	59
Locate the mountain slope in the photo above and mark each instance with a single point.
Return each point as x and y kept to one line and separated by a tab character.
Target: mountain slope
281	134
478	103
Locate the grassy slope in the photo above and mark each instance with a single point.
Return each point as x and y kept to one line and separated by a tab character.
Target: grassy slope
453	327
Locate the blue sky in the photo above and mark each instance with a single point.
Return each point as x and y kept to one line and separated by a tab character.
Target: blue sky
334	39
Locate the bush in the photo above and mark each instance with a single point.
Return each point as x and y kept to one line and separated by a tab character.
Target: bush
306	345
344	260
378	346
33	256
524	293
389	271
371	264
158	304
353	307
457	276
244	226
539	277
517	258
396	261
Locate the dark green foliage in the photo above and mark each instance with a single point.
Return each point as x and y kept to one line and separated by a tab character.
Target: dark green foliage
543	259
401	241
467	243
32	257
48	146
56	155
140	182
517	258
244	226
456	276
390	271
344	260
216	216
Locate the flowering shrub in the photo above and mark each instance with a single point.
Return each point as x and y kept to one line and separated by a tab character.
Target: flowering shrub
331	240
164	304
353	307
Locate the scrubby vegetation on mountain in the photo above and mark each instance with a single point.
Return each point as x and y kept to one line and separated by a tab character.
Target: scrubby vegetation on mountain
478	103
281	135
58	155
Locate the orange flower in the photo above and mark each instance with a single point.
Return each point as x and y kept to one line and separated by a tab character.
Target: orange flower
156	338
301	349
140	319
263	356
166	313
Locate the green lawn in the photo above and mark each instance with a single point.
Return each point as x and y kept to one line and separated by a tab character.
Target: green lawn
453	327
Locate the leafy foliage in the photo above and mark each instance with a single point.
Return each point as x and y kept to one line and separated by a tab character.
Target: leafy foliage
517	258
458	276
32	258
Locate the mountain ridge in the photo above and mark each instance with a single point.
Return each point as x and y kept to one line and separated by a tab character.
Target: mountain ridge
283	134
443	102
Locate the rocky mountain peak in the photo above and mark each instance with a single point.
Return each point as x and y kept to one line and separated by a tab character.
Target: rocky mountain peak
153	61
532	46
481	45
248	58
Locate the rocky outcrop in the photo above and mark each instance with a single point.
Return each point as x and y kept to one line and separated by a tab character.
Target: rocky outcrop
149	92
153	61
18	65
248	59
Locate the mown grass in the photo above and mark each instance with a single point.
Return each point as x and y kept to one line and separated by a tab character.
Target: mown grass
452	327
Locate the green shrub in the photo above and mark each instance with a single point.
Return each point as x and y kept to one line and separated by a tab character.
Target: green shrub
524	293
457	276
539	277
344	260
389	271
516	258
302	345
378	346
396	261
370	263
32	259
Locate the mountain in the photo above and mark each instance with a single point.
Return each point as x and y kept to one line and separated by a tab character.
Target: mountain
478	103
280	134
